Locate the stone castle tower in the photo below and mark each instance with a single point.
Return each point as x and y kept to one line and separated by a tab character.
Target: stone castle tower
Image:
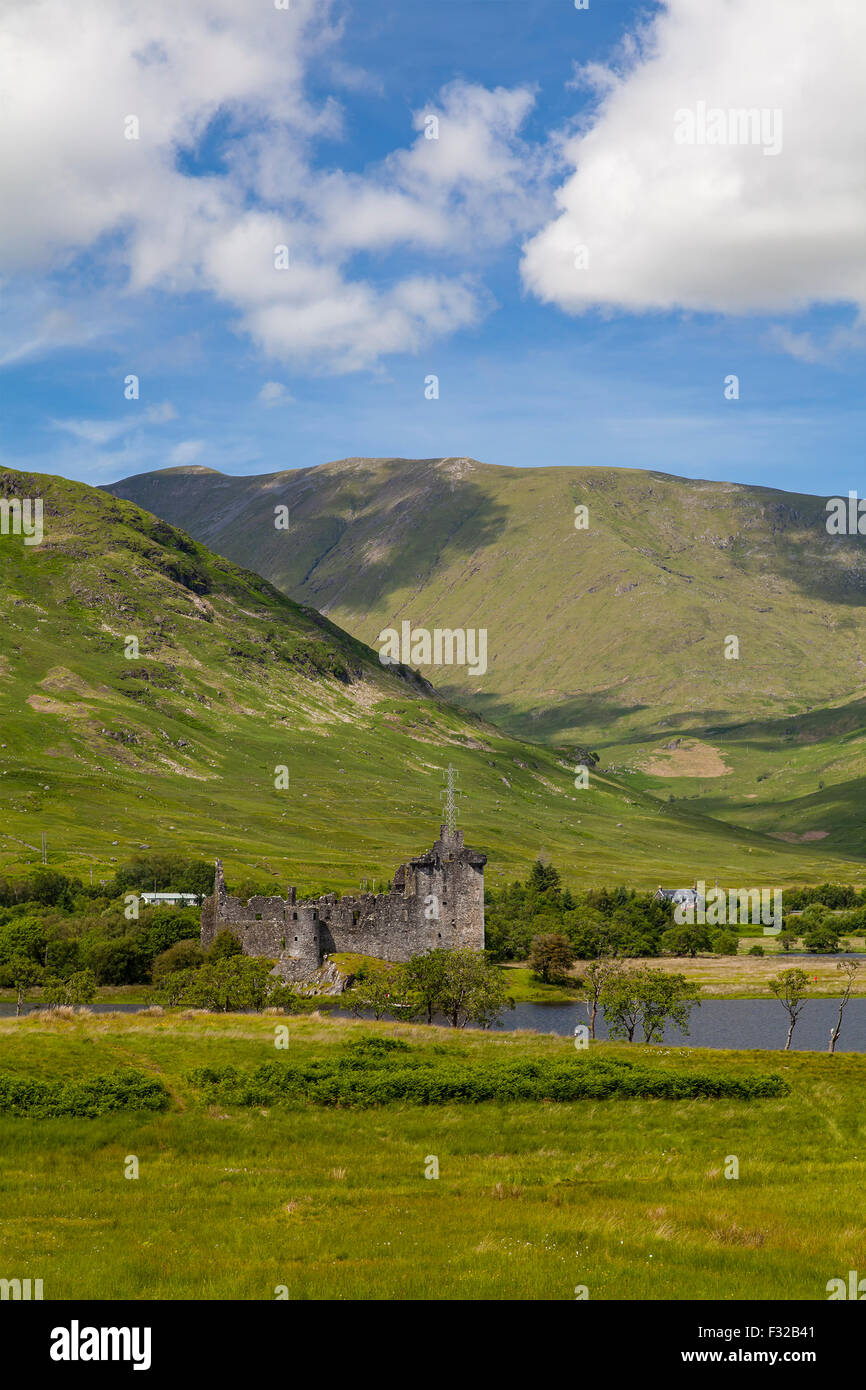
437	899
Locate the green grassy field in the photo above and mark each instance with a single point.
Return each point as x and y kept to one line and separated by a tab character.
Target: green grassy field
177	748
628	1198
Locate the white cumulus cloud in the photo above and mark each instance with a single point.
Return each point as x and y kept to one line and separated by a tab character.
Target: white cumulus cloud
716	227
77	81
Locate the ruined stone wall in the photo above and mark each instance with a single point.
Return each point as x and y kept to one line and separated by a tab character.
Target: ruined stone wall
437	900
279	928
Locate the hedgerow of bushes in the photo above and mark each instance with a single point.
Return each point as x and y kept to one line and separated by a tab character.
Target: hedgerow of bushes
121	1089
364	1076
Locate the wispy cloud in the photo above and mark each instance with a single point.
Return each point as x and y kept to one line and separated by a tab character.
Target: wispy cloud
274	393
100	432
186	452
810	347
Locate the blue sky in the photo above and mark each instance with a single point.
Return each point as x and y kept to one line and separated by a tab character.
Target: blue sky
716	262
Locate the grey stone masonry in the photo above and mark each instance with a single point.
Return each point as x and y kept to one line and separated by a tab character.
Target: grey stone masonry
437	899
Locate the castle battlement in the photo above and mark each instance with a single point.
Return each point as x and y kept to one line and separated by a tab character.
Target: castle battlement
437	899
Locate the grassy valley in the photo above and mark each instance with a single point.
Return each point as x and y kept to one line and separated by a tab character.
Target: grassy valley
611	637
176	749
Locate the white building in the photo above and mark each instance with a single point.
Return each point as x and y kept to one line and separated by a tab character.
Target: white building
170	899
678	897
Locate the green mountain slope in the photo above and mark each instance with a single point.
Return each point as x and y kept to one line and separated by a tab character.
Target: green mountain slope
178	747
613	637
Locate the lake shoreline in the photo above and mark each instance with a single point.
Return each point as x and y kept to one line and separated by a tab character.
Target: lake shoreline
738	1025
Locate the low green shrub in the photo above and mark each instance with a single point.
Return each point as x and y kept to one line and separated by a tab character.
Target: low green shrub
121	1089
373	1046
371	1073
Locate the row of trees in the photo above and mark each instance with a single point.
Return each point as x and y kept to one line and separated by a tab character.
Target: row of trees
832	895
220	979
631	999
625	923
541	894
66	928
462	986
647	999
50	888
54	929
145	872
817	933
791	988
227	982
184	972
618	921
552	955
24	975
638	1000
118	951
820	929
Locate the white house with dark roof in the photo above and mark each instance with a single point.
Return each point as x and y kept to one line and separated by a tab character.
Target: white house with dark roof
687	897
171	899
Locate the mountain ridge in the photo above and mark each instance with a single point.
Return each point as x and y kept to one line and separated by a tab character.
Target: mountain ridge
613	637
372	539
172	742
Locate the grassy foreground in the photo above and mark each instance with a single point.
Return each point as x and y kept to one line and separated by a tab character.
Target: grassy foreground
626	1197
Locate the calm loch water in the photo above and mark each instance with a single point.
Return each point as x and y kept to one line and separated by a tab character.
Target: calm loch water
746	1023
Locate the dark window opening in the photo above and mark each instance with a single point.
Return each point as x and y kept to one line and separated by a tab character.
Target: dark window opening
294	916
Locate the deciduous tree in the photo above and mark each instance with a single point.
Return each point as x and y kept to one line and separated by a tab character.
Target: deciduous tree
849	969
550	956
790	988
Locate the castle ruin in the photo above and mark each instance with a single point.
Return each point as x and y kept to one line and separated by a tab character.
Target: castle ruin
437	899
